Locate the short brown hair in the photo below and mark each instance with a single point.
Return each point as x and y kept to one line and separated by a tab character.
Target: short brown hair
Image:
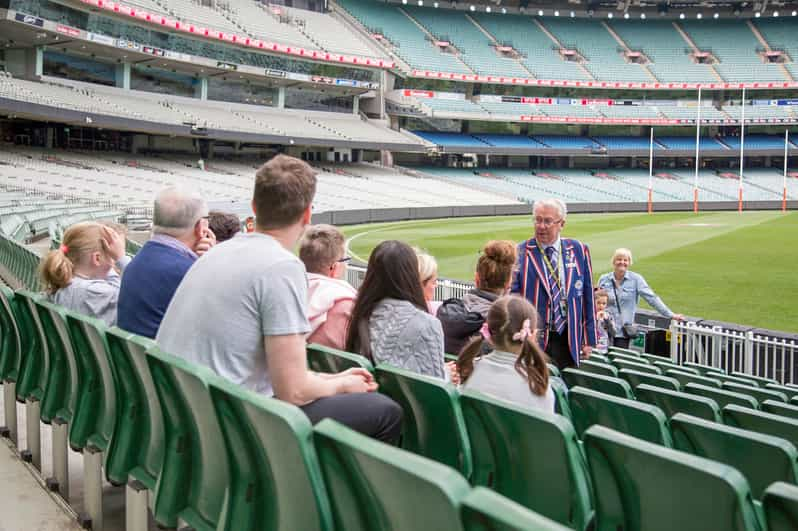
319	248
284	188
495	265
601	293
224	225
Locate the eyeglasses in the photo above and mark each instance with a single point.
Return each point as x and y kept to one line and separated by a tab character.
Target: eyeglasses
345	260
547	222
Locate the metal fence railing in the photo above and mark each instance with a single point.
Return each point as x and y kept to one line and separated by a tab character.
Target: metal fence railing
446	288
731	350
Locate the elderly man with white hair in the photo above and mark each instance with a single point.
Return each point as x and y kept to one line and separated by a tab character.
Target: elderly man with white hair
555	274
180	235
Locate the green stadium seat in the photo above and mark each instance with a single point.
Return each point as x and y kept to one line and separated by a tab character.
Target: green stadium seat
60	392
767	423
604	384
484	510
10	361
791	392
721	396
450	357
668	365
762	381
644	486
777	407
561	405
553	370
723	377
601	358
330	360
626	357
33	370
595	367
373	486
636	378
640	367
193	479
93	423
762	459
701	368
542	469
672	402
272	464
433	423
653	358
688	377
780	505
760	393
634	418
621	350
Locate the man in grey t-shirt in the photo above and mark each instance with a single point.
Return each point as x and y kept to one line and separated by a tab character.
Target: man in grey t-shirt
241	310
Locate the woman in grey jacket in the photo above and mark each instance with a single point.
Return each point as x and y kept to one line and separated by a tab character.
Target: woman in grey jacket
390	323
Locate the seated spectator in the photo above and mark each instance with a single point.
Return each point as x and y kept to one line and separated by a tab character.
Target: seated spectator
428	271
390	323
180	234
80	274
515	369
330	298
462	318
242	311
223	225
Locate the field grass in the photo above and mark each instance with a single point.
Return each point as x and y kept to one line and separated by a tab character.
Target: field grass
725	266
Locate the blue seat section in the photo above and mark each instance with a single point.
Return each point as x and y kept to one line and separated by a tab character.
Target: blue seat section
508	141
451	139
626	142
688	142
780	34
755	141
566	142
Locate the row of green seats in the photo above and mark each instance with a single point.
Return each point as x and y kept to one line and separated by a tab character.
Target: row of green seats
20	262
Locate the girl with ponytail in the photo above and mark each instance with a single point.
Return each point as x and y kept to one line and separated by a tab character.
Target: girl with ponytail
80	274
515	369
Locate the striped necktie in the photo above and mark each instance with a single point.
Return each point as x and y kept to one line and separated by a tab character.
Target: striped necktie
554	287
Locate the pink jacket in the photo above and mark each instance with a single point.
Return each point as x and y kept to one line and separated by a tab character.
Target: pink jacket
330	303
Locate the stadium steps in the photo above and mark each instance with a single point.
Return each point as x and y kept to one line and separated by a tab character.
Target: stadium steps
765	44
681	31
625	46
456	56
493	39
556	41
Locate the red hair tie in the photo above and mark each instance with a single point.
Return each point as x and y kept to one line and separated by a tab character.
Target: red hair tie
64	249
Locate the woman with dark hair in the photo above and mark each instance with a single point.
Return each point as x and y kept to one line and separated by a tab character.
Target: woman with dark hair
390	323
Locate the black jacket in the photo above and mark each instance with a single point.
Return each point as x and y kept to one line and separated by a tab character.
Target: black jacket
462	318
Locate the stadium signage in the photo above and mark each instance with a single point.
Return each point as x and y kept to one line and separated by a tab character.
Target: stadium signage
430	74
66	30
101	39
644	121
226	66
29	19
160	20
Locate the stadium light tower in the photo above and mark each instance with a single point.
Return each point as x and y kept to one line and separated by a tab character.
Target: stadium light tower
697	143
784	182
742	153
651	172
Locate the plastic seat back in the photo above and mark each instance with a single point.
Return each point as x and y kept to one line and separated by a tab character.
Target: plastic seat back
547	444
272	464
758	421
762	459
603	384
377	487
780	505
776	407
330	360
485	510
562	406
34	358
721	396
137	448
636	378
665	365
433	423
60	393
637	419
594	367
600	358
672	402
640	367
723	377
760	393
619	356
627	351
644	486
95	407
790	391
194	475
685	378
10	343
700	367
761	380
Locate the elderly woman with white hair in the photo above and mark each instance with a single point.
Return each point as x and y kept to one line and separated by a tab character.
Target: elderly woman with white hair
625	288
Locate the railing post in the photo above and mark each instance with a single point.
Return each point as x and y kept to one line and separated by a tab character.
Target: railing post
674	341
749	353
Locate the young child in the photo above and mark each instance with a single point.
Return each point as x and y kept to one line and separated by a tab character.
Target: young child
81	276
515	370
605	328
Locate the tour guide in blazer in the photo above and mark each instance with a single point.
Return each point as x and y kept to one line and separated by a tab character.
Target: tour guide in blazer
541	260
